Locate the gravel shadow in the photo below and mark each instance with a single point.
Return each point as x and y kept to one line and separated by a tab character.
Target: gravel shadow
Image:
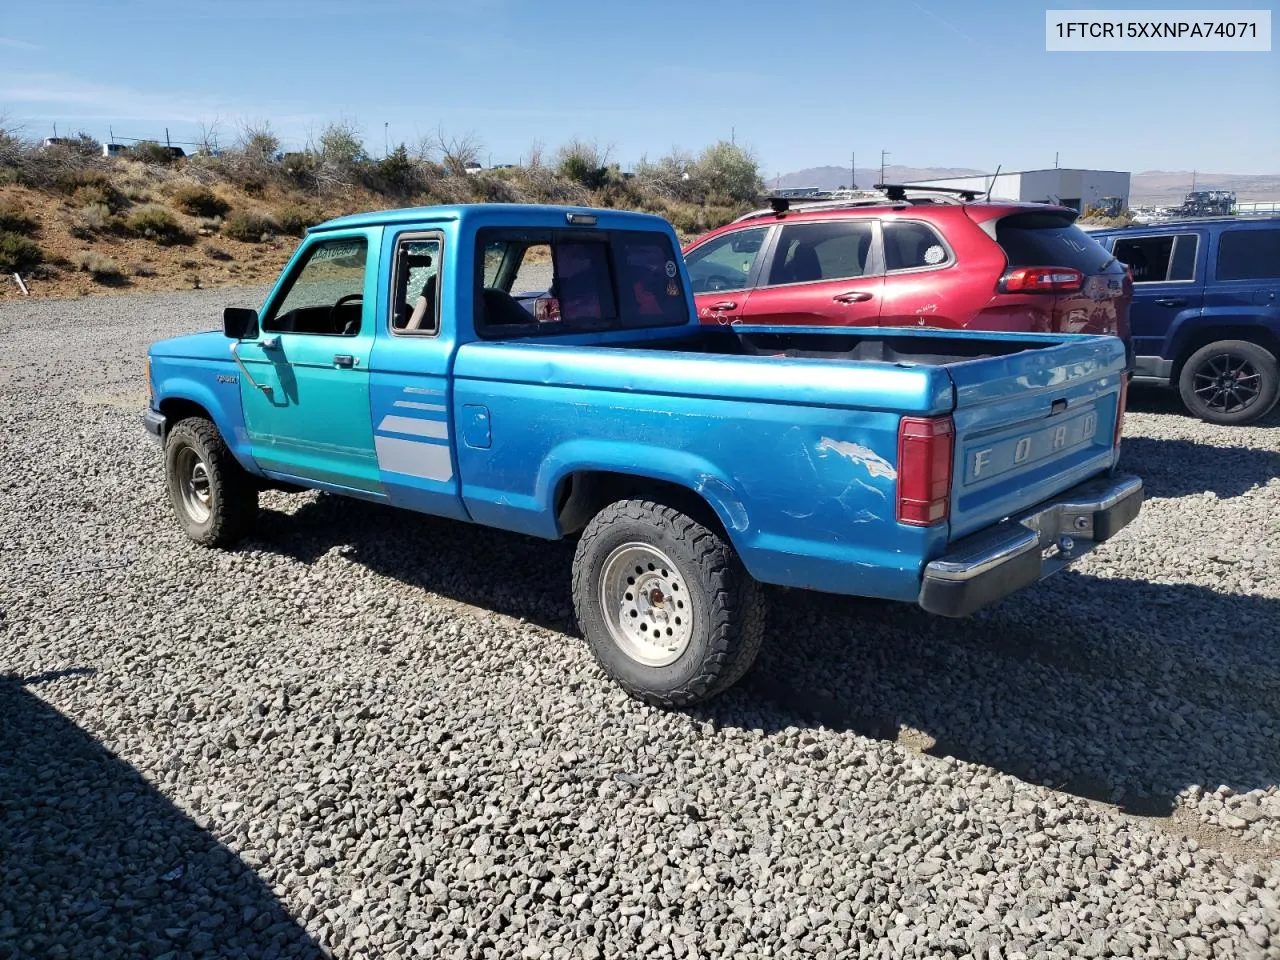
448	557
1130	697
1147	398
1143	691
95	862
1179	468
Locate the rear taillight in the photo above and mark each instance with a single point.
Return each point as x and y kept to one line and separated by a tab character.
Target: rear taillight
1121	401
1041	280
925	447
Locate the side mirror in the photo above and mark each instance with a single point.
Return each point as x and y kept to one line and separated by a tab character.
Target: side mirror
546	309
240	323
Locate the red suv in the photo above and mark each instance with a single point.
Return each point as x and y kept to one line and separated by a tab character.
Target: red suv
938	260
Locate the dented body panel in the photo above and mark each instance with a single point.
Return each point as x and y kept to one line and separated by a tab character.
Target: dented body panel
793	443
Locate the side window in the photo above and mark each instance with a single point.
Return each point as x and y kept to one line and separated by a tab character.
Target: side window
541	282
326	296
1147	257
416	305
810	252
1183	264
725	263
1249	255
913	246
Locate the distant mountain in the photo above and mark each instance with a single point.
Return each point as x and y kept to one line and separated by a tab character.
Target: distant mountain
832	178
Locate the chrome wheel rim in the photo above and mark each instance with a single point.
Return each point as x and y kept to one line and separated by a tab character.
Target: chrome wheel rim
197	492
1227	383
646	605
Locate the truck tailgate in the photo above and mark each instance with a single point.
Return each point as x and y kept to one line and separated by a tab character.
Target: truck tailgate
1031	425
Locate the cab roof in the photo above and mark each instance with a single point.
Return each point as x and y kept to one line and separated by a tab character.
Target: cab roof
499	214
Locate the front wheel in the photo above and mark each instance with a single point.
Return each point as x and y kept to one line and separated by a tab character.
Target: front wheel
1231	382
214	499
664	602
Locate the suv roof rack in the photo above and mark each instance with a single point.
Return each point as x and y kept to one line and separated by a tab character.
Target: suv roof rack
898	191
895	195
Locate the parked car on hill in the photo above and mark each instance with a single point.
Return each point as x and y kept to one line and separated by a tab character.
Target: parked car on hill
392	362
1206	311
916	258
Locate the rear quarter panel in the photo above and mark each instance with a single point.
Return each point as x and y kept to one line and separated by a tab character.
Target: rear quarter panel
804	484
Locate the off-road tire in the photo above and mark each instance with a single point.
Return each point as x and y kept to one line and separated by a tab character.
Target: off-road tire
1259	359
232	496
727	604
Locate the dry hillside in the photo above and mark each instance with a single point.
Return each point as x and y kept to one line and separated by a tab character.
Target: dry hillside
73	223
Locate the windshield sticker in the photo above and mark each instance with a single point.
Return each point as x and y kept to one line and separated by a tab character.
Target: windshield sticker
338	251
671	268
673	288
935	254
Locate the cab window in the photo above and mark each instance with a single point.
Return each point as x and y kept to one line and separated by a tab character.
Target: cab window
325	295
415	310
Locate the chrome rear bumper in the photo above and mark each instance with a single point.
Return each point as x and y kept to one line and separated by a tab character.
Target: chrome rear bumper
991	564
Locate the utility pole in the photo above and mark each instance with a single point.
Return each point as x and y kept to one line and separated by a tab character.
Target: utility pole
385	127
1193	181
884	155
853	171
55	131
733	136
1055	159
166	137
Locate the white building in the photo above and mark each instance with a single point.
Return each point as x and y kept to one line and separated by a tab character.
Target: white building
1079	189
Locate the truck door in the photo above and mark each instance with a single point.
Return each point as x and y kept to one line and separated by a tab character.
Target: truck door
306	396
1168	288
410	394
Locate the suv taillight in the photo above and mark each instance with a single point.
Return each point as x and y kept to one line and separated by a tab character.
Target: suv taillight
925	446
1121	402
1041	280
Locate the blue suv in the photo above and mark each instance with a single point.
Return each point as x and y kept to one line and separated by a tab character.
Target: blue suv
1205	315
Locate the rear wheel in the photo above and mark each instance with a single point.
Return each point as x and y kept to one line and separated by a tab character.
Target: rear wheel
1230	382
214	499
668	609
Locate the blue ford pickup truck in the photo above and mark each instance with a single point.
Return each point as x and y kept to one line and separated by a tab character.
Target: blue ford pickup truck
542	370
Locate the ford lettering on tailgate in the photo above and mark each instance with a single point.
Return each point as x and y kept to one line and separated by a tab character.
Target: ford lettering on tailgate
983	461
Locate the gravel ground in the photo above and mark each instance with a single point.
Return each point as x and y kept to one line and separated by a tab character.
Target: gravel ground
377	735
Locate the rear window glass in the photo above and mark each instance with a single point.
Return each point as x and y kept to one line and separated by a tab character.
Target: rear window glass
1159	259
1249	255
1049	240
555	281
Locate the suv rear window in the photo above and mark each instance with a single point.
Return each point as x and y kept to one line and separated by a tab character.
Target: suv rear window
1049	240
537	282
1249	255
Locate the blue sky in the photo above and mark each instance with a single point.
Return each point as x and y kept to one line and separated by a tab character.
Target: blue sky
935	83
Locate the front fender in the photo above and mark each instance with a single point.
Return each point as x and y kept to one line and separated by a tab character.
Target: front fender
180	384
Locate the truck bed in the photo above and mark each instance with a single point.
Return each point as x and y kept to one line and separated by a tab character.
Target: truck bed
928	348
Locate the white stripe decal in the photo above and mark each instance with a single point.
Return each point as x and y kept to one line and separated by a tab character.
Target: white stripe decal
414	405
436	429
427	390
428	461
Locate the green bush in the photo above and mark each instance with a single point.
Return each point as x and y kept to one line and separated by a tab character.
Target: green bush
92	219
102	268
200	201
156	223
148	151
249	227
294	219
13	219
17	253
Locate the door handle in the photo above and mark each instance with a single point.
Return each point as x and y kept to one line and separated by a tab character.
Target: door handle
853	296
345	360
1171	301
724	305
